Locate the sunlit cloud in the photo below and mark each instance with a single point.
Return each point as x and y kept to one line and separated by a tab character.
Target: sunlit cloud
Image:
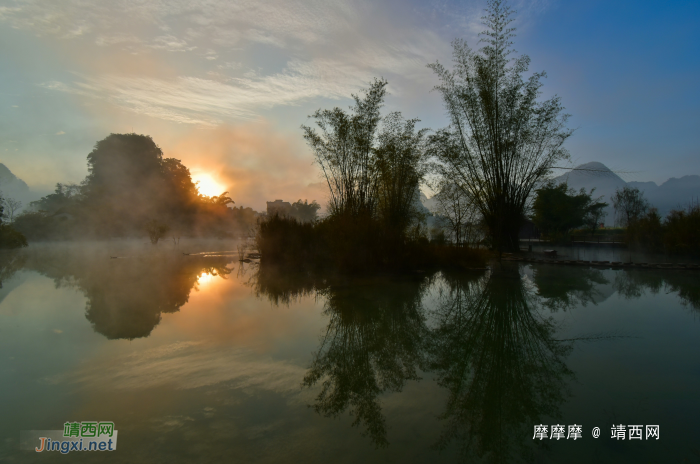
252	161
331	49
187	365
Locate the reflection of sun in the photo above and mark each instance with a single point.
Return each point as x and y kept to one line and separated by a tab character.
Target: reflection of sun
207	185
205	278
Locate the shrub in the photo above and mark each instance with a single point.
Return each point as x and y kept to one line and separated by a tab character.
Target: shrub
10	238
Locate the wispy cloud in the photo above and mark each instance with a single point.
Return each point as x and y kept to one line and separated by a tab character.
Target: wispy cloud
188	365
275	22
196	100
329	49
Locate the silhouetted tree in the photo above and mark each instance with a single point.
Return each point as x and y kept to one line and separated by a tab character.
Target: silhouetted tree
344	151
130	183
629	204
502	141
156	231
399	161
11	207
9	236
64	196
558	209
305	211
458	211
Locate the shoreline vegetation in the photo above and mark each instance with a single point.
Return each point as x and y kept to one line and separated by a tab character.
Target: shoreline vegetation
640	226
336	243
490	169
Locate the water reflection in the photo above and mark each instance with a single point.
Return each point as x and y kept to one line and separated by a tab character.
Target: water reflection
11	261
634	283
482	337
497	358
127	296
373	344
565	287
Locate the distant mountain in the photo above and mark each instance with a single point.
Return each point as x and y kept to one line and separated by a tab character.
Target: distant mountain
13	187
673	194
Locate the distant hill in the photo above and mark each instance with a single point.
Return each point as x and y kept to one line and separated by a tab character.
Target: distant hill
13	187
673	194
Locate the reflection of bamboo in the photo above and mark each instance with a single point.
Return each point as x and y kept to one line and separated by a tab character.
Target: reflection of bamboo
372	344
498	361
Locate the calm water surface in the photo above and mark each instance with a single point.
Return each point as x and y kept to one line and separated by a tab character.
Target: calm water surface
200	358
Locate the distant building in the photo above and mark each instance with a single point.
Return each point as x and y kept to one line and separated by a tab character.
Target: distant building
280	208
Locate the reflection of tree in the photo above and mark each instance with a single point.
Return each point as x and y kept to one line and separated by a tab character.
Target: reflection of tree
283	285
10	262
126	297
497	359
372	345
633	283
563	287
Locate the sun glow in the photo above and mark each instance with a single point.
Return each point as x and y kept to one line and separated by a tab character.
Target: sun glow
205	278
207	185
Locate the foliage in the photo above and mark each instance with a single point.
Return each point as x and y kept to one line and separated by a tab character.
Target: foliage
679	232
629	204
11	238
373	166
130	183
557	209
501	141
10	208
399	167
339	243
343	151
286	240
156	231
305	211
459	214
682	230
646	230
64	196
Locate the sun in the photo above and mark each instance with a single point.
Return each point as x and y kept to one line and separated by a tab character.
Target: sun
207	185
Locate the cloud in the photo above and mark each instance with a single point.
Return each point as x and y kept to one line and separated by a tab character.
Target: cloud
253	161
273	22
188	365
60	133
328	49
195	100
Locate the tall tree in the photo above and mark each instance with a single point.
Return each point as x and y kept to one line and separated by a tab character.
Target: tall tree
12	206
400	169
458	212
629	204
344	151
501	141
558	209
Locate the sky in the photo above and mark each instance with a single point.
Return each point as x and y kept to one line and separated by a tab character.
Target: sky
225	85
